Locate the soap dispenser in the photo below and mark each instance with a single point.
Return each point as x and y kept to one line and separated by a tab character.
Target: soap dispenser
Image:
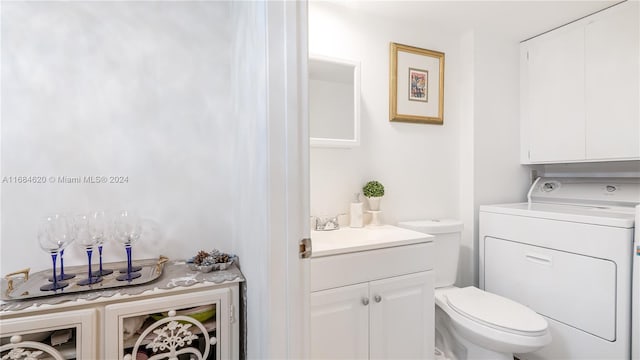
356	212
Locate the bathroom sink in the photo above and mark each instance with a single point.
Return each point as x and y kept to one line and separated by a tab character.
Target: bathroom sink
347	240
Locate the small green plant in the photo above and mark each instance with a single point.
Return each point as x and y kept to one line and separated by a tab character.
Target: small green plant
373	189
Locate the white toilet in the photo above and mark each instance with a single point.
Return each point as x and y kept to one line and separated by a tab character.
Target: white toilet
472	323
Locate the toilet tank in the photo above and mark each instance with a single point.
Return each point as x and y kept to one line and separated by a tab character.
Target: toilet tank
447	234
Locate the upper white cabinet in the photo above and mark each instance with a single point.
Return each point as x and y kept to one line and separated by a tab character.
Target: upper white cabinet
553	79
611	78
579	90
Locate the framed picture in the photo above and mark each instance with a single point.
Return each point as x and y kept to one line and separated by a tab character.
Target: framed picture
416	85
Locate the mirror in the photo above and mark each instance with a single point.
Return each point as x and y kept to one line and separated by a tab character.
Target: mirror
334	102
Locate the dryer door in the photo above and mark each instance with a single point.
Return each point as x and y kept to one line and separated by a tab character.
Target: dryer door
574	289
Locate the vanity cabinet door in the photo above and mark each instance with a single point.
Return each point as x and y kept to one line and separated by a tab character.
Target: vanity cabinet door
402	317
68	335
340	323
143	325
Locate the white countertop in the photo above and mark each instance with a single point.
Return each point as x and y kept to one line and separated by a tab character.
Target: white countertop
347	240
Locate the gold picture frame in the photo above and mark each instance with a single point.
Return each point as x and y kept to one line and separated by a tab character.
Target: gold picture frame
416	85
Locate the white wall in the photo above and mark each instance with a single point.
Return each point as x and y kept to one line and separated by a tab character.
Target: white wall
428	171
118	89
174	96
247	157
417	163
498	176
467	163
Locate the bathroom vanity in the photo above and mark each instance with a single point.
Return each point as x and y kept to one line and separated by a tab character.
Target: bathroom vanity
372	294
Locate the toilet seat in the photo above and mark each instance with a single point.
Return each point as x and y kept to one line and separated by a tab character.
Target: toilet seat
496	311
476	318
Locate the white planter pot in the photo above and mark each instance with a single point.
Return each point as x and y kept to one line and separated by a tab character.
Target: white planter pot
374	203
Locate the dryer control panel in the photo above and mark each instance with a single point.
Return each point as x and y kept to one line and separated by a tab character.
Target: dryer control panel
605	192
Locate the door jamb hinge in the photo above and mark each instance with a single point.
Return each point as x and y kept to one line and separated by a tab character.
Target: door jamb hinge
232	317
305	248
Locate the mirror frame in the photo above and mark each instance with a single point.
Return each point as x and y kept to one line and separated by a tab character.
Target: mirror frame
342	143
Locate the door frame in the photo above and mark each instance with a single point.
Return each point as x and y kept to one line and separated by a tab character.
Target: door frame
288	146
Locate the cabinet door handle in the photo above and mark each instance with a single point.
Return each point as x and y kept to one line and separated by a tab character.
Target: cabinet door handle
365	301
377	298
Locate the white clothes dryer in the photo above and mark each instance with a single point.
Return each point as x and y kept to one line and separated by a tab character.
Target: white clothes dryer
568	254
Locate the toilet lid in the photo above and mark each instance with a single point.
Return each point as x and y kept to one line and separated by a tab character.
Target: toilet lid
496	311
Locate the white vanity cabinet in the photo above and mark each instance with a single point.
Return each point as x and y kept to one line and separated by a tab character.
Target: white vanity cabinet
340	323
372	294
384	319
580	89
402	317
182	314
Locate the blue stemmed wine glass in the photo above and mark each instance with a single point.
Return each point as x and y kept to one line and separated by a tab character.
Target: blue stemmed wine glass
63	230
127	231
87	241
53	236
98	228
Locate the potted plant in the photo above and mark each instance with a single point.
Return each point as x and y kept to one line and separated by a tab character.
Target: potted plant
373	191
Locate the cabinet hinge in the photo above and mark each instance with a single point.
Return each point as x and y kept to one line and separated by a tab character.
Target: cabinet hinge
305	248
232	316
527	55
529	154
